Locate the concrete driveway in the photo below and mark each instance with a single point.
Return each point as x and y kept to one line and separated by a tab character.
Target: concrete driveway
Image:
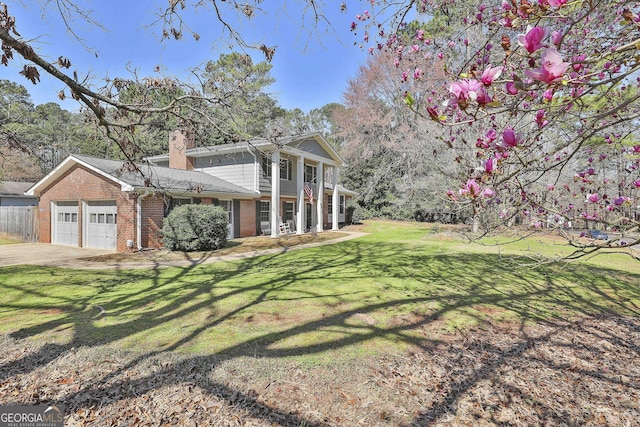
46	255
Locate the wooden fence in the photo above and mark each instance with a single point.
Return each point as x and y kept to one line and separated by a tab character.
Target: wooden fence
19	222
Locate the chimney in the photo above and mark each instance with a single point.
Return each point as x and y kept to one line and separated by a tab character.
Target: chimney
179	142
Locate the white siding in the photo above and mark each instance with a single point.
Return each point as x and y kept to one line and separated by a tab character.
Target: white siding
239	174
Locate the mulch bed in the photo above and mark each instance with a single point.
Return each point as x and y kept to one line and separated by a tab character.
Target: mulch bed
584	372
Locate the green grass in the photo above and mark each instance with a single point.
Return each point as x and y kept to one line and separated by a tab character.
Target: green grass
4	241
402	285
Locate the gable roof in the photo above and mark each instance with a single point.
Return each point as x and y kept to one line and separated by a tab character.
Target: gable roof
263	144
174	181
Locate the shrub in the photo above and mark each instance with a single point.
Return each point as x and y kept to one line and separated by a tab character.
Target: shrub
195	228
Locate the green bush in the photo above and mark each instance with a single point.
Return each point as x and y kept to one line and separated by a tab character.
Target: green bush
195	228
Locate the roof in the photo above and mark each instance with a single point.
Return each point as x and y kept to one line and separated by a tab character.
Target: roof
13	188
149	177
260	144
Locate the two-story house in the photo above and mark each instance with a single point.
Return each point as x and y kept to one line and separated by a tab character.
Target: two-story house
267	188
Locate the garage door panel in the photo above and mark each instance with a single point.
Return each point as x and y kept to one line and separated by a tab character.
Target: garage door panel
66	227
102	228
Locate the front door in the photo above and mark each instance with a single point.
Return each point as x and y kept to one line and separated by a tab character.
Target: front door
309	216
227	205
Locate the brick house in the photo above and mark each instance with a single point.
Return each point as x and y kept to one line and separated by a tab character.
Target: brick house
91	202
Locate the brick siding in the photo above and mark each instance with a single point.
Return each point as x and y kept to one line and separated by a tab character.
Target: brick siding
83	185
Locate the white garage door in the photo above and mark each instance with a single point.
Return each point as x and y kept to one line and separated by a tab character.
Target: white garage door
65	224
102	228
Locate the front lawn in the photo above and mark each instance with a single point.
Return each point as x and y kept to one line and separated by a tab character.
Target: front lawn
386	291
408	324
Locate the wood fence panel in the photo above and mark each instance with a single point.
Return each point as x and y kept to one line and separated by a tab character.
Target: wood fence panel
19	222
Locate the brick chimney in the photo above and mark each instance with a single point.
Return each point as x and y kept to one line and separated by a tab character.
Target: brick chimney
179	142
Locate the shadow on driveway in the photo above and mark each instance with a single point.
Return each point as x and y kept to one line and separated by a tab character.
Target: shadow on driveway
46	255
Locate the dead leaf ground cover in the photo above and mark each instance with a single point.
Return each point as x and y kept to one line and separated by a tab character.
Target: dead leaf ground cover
403	327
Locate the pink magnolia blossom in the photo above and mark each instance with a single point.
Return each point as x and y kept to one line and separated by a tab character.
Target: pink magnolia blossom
637	183
487	193
465	90
548	95
557	3
509	139
490	74
471	189
490	165
511	88
492	135
552	69
532	40
541	118
593	198
556	37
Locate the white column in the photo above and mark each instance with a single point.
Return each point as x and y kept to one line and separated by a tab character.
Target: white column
275	193
320	196
300	215
335	214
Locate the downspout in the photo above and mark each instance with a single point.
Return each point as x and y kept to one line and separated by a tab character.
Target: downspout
256	186
139	218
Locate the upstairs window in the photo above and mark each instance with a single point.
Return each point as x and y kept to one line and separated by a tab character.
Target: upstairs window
285	167
310	173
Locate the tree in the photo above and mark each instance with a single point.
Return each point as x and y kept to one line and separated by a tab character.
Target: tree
400	166
552	88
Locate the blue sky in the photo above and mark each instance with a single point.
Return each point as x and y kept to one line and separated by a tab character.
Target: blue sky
311	68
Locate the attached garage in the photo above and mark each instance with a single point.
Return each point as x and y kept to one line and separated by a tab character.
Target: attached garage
101	219
64	223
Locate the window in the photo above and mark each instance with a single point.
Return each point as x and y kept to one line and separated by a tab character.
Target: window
266	165
285	167
265	211
330	205
309	173
288	211
342	204
227	205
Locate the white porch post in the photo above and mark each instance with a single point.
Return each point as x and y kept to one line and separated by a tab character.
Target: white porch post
335	201
320	196
300	215
275	193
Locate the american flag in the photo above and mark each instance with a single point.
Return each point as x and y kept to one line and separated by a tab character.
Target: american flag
308	191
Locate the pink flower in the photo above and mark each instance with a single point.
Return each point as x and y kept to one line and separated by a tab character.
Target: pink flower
541	118
557	3
488	193
471	189
492	135
619	201
509	139
465	90
490	165
490	74
552	69
548	95
511	88
637	183
593	198
532	40
556	37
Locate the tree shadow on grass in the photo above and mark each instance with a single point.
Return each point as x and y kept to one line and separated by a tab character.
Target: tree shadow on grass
429	287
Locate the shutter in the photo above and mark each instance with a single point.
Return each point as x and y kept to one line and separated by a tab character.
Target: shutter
236	218
258	230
